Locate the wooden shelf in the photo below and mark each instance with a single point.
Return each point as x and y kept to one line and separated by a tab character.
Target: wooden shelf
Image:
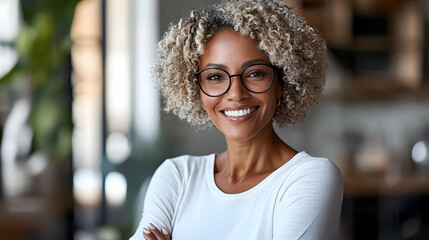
370	43
376	89
365	185
379	38
377	6
32	214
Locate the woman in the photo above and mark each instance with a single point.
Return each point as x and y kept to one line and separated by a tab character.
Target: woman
240	66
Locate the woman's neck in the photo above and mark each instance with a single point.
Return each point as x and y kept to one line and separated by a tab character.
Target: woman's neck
262	154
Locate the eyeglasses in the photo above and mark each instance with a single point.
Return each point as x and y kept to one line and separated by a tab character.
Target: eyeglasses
256	78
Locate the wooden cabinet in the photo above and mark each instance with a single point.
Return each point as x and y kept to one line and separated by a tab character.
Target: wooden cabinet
380	43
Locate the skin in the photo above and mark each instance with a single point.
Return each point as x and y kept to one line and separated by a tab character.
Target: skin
152	233
254	150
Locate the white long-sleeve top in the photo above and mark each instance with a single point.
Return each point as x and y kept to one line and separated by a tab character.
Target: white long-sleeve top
300	200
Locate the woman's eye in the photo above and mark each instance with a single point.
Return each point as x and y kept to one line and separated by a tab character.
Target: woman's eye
214	77
256	74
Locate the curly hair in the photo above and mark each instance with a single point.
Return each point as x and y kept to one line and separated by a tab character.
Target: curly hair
290	44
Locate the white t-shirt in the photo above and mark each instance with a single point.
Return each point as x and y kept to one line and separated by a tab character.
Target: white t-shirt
300	200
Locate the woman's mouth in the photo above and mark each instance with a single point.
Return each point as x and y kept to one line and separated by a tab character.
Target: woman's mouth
240	113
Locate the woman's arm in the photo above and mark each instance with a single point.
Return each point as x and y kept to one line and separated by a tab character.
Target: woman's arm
160	199
311	205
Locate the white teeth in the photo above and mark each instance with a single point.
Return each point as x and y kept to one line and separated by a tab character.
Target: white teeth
239	113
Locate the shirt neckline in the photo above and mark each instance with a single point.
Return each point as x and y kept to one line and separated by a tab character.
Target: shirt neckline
215	189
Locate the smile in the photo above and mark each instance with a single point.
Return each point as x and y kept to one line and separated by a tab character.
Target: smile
240	113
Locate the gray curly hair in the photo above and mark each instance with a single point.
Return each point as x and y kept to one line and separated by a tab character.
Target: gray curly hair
290	44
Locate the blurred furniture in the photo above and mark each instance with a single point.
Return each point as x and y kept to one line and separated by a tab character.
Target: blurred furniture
380	45
379	42
46	212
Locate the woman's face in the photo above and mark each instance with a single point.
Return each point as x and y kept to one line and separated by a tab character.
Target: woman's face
232	52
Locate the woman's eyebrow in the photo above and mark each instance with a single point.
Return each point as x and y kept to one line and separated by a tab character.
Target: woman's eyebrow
254	61
245	64
215	65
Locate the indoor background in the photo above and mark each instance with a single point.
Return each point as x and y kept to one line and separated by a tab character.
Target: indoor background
82	127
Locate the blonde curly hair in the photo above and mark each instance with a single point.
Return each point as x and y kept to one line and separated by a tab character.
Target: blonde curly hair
290	44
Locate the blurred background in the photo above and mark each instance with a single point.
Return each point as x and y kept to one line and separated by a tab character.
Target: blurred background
82	130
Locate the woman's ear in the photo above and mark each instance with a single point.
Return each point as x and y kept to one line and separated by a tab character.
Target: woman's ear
202	104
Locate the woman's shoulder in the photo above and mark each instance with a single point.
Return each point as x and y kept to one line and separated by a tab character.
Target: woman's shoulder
304	162
189	160
185	164
310	176
306	170
178	170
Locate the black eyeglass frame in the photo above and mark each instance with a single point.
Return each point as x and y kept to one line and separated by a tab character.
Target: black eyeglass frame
197	75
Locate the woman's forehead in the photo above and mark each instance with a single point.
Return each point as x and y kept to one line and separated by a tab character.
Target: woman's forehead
229	48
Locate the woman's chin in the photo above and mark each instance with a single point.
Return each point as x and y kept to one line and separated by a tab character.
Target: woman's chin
240	133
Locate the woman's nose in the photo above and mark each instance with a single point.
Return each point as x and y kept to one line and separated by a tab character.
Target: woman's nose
236	91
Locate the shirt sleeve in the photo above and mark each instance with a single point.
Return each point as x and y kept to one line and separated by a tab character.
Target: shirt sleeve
310	206
160	199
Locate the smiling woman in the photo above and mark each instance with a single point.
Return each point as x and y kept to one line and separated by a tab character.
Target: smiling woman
239	66
235	53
